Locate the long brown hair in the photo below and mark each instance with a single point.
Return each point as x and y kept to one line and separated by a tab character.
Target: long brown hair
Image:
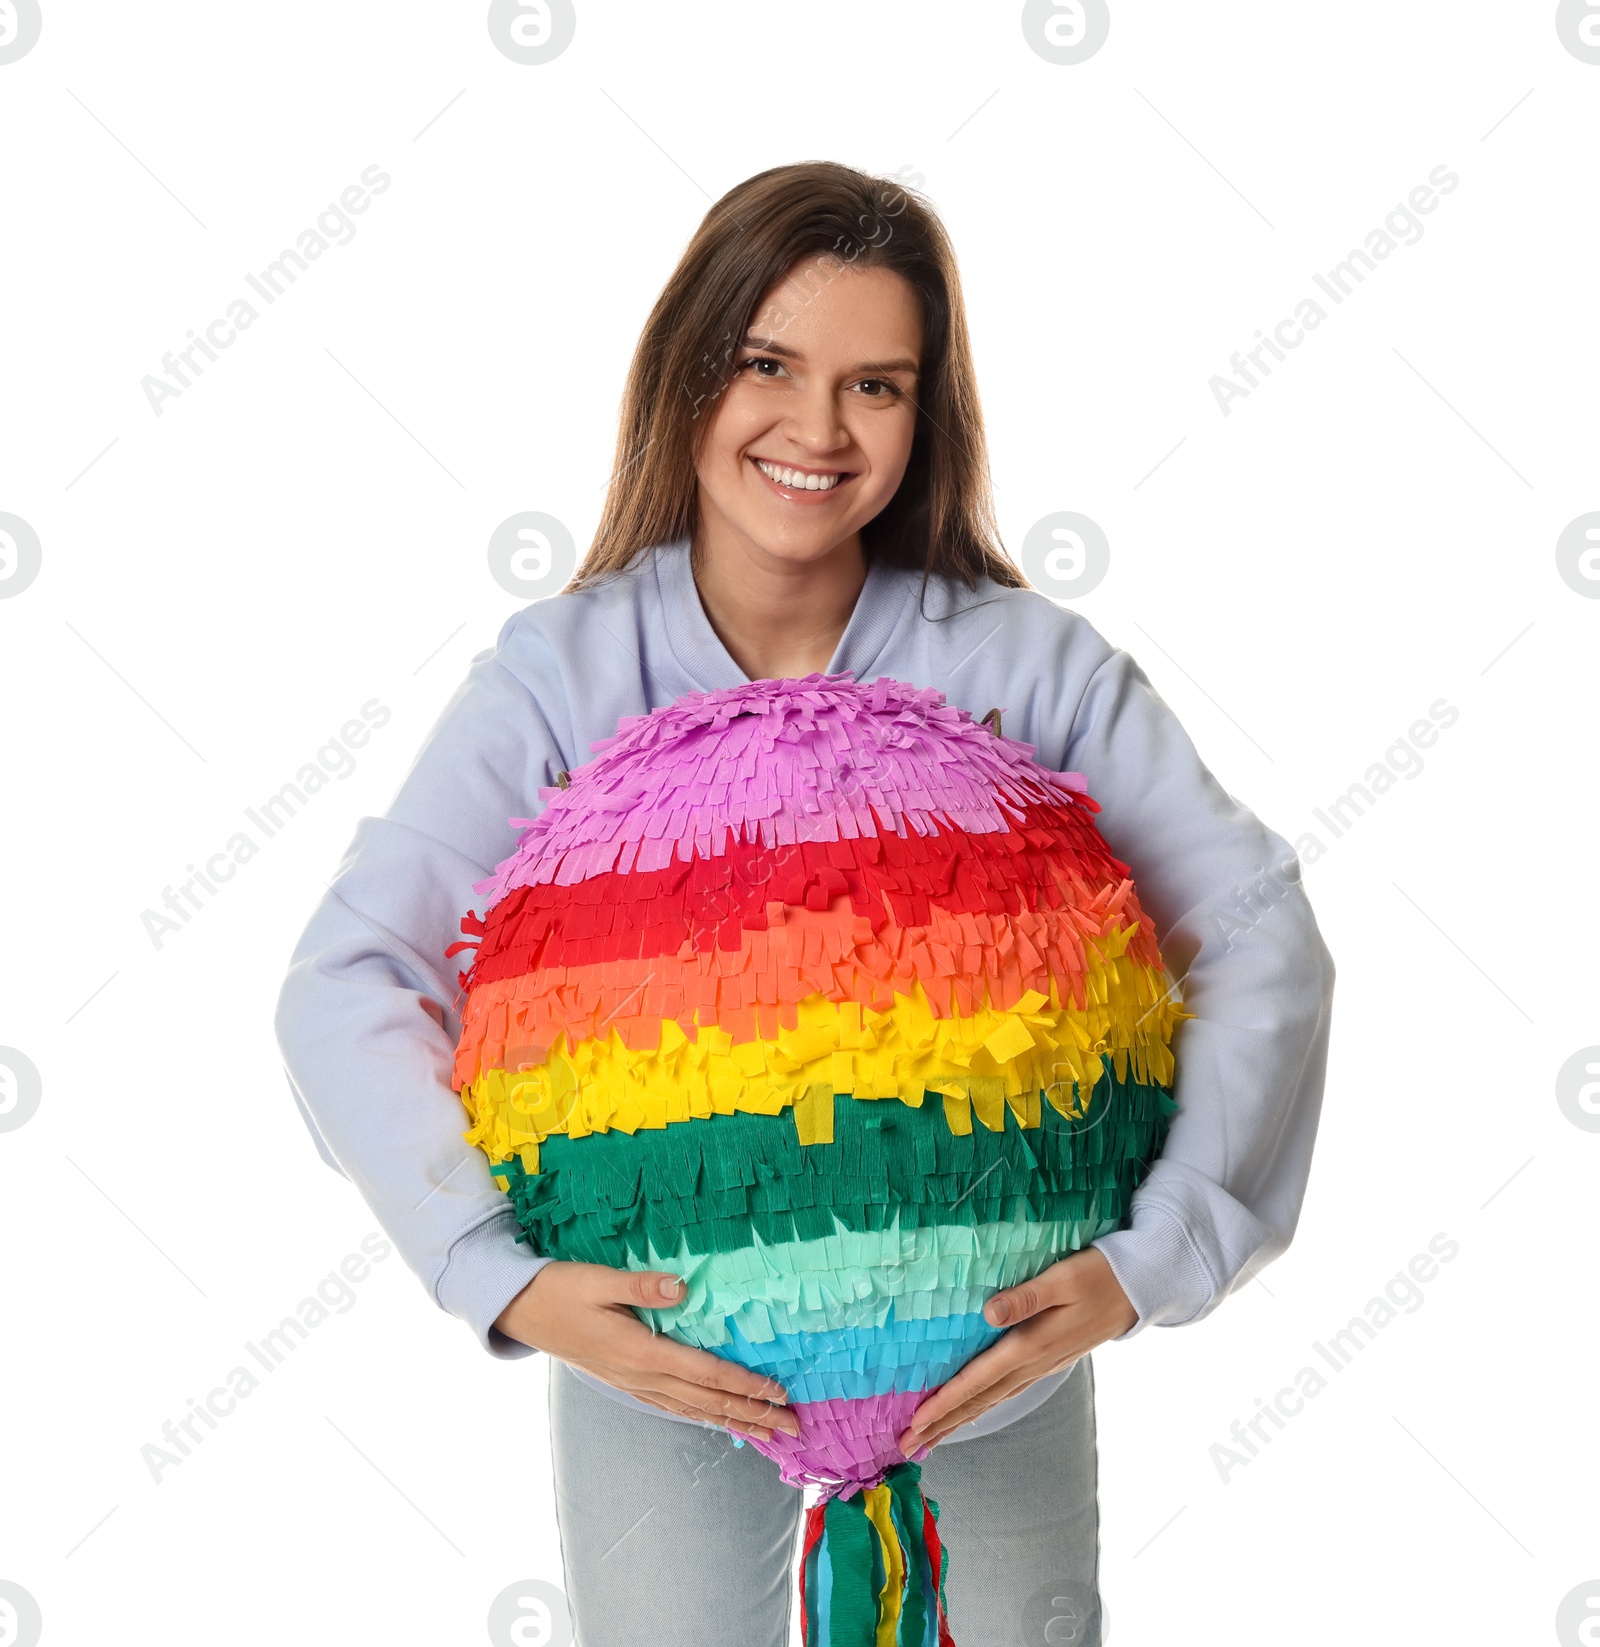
941	518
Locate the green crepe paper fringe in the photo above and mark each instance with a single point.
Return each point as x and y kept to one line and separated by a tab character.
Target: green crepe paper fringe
906	1509
851	1279
857	1578
844	1564
719	1183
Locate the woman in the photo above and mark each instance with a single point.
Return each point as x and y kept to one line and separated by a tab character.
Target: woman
801	485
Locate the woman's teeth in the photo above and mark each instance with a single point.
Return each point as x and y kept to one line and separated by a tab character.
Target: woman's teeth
796	479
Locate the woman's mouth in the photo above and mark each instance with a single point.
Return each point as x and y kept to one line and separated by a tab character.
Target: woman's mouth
801	485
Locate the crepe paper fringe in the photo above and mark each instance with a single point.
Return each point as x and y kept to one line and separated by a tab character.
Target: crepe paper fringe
853	1362
797	760
844	1441
850	1279
721	1183
1053	857
872	1568
980	1064
963	963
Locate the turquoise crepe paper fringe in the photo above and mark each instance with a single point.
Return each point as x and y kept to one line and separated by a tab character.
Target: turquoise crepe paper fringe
717	1183
855	1278
858	1361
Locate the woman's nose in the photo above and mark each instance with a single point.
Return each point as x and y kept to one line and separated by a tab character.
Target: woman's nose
816	423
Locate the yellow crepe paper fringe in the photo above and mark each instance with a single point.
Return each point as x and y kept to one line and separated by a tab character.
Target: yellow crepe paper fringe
978	1063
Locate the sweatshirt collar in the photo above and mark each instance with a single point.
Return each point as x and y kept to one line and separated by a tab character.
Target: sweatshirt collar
884	600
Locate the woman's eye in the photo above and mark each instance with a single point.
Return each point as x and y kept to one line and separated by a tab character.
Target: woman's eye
877	387
756	362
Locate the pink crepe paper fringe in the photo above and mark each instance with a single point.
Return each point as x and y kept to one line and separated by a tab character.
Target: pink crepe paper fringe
677	780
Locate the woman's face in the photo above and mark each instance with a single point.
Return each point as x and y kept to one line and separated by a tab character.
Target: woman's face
812	434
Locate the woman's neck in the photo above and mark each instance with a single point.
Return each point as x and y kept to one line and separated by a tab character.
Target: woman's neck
777	618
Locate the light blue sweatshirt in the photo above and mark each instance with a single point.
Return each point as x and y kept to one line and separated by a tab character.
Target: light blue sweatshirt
367	1019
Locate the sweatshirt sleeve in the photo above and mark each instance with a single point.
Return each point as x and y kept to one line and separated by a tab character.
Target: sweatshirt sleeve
1240	940
366	1019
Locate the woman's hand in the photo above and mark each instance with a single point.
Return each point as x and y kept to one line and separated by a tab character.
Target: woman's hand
583	1314
1054	1319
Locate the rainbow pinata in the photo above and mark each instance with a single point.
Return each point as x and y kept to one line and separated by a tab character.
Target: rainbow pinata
833	1001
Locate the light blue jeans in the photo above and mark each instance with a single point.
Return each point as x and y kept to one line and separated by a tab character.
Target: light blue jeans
671	1536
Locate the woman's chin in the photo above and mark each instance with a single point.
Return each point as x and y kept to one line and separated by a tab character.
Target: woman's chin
802	542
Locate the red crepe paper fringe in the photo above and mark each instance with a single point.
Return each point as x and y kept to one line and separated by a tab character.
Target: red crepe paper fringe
1050	859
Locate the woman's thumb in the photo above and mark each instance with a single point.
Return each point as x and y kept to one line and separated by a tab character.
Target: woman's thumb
1007	1308
653	1288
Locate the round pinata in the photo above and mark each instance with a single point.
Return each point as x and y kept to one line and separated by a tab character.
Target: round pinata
832	1000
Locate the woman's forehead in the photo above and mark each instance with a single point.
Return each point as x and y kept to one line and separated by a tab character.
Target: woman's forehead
822	301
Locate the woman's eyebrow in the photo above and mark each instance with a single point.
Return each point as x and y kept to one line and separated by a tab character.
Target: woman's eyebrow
767	347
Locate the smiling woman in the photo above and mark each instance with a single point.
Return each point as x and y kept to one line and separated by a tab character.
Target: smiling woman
809	443
831	1087
802	397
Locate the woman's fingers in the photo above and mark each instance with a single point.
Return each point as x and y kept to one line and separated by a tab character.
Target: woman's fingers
720	1405
640	1288
1058	1284
1015	1304
716	1390
645	1289
977	1406
756	1432
1082	1281
658	1289
997	1362
633	1357
666	1403
994	1374
689	1400
715	1372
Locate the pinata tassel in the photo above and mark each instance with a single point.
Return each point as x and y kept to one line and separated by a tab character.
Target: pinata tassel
872	1568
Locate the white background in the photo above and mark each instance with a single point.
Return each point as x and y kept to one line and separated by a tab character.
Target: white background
304	529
